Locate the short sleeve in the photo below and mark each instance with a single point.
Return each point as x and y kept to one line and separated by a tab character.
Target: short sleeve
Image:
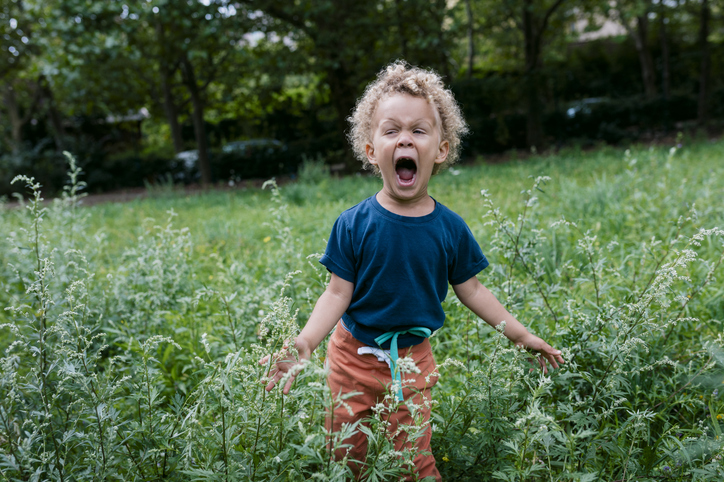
339	255
468	260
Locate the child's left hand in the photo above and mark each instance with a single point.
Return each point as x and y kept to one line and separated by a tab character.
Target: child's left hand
547	352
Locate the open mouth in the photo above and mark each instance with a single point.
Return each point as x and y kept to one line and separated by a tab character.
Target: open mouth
406	170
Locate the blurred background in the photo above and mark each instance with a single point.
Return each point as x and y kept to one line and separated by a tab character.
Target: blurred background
212	92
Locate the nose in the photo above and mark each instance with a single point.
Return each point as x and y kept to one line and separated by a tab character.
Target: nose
405	139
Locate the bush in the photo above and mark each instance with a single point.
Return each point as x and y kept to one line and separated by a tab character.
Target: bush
145	365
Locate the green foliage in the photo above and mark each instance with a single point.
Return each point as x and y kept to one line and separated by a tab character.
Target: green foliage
130	348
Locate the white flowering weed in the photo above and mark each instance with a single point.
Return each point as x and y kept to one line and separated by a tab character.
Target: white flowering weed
130	351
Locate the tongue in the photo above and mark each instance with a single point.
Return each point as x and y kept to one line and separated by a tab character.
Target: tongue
405	173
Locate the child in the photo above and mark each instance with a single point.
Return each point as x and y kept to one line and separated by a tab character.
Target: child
391	258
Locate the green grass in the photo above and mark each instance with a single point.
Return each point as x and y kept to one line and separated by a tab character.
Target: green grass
148	342
583	186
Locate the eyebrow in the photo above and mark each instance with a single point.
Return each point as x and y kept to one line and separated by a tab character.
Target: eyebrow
416	121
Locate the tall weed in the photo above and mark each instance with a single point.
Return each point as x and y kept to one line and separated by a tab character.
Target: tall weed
144	365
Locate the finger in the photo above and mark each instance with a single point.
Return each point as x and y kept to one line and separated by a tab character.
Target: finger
264	360
552	359
288	386
271	385
542	363
554	356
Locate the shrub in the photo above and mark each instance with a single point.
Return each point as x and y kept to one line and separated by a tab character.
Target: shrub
149	369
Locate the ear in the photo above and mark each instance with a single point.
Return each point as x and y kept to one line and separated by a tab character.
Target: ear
370	152
442	152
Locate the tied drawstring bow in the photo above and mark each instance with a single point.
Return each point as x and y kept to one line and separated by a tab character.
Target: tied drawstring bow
394	356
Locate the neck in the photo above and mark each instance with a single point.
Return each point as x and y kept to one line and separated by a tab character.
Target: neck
421	206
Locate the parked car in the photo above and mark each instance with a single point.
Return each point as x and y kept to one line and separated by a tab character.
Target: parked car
253	158
253	146
584	106
185	167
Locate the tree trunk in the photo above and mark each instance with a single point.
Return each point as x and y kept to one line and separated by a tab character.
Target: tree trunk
703	110
198	119
471	38
16	124
54	117
533	29
640	37
401	29
534	123
438	12
17	120
169	107
665	82
341	93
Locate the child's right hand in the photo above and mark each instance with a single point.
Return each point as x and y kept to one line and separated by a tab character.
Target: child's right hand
283	361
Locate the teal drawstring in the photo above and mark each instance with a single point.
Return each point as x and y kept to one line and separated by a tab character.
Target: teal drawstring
394	356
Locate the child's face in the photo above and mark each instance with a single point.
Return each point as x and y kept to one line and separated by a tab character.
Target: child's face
406	145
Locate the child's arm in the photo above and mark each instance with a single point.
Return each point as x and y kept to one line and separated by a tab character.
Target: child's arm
329	309
484	304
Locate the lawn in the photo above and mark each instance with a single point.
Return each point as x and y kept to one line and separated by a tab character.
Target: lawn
132	330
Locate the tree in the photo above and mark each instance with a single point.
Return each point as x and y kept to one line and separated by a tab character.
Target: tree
534	25
20	89
470	38
348	41
535	19
164	45
199	41
634	16
705	68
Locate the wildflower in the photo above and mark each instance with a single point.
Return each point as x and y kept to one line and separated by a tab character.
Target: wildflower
720	416
267	239
716	392
446	458
667	468
407	365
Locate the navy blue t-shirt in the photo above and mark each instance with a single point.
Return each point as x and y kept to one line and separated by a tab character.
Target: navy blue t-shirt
400	267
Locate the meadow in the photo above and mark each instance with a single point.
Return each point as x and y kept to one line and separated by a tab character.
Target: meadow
131	332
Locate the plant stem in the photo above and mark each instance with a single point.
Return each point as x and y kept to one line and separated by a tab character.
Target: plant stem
281	427
223	437
40	296
231	321
695	293
94	392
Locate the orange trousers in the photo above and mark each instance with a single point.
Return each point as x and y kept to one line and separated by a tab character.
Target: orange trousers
350	372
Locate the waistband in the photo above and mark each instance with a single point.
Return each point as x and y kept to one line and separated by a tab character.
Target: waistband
344	336
367	335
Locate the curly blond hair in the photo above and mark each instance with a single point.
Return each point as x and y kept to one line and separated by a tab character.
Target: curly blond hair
401	78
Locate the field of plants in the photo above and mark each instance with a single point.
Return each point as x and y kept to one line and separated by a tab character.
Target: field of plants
131	332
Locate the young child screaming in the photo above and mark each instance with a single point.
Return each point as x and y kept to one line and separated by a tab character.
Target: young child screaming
391	258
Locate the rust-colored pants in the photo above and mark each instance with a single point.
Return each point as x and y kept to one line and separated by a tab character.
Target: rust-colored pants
350	372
